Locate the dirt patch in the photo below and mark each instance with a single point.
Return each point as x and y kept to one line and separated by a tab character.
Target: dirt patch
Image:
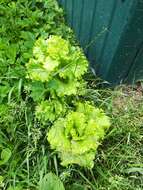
127	97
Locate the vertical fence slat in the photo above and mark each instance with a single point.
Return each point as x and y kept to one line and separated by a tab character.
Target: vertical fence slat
119	22
86	19
102	22
77	9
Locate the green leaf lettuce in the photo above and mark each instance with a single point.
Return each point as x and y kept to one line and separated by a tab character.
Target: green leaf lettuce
77	136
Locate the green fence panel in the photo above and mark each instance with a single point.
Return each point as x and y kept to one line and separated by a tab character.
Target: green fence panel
136	71
111	34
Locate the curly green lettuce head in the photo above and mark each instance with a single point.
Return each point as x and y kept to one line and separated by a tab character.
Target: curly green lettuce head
49	110
77	136
59	63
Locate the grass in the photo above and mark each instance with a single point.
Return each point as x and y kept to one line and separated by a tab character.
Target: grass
119	161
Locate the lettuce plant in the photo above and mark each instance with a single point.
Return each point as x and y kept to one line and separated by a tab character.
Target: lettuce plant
59	64
74	134
77	136
49	110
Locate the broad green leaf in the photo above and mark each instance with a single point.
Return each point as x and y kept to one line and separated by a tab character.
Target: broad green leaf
51	182
37	91
5	156
4	89
1	179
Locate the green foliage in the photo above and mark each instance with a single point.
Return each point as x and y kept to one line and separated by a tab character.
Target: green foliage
58	63
49	110
22	23
77	187
60	67
15	188
5	155
1	181
5	115
51	182
36	90
77	136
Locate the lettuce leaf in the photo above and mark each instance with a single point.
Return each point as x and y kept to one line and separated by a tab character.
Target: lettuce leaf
77	136
58	63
